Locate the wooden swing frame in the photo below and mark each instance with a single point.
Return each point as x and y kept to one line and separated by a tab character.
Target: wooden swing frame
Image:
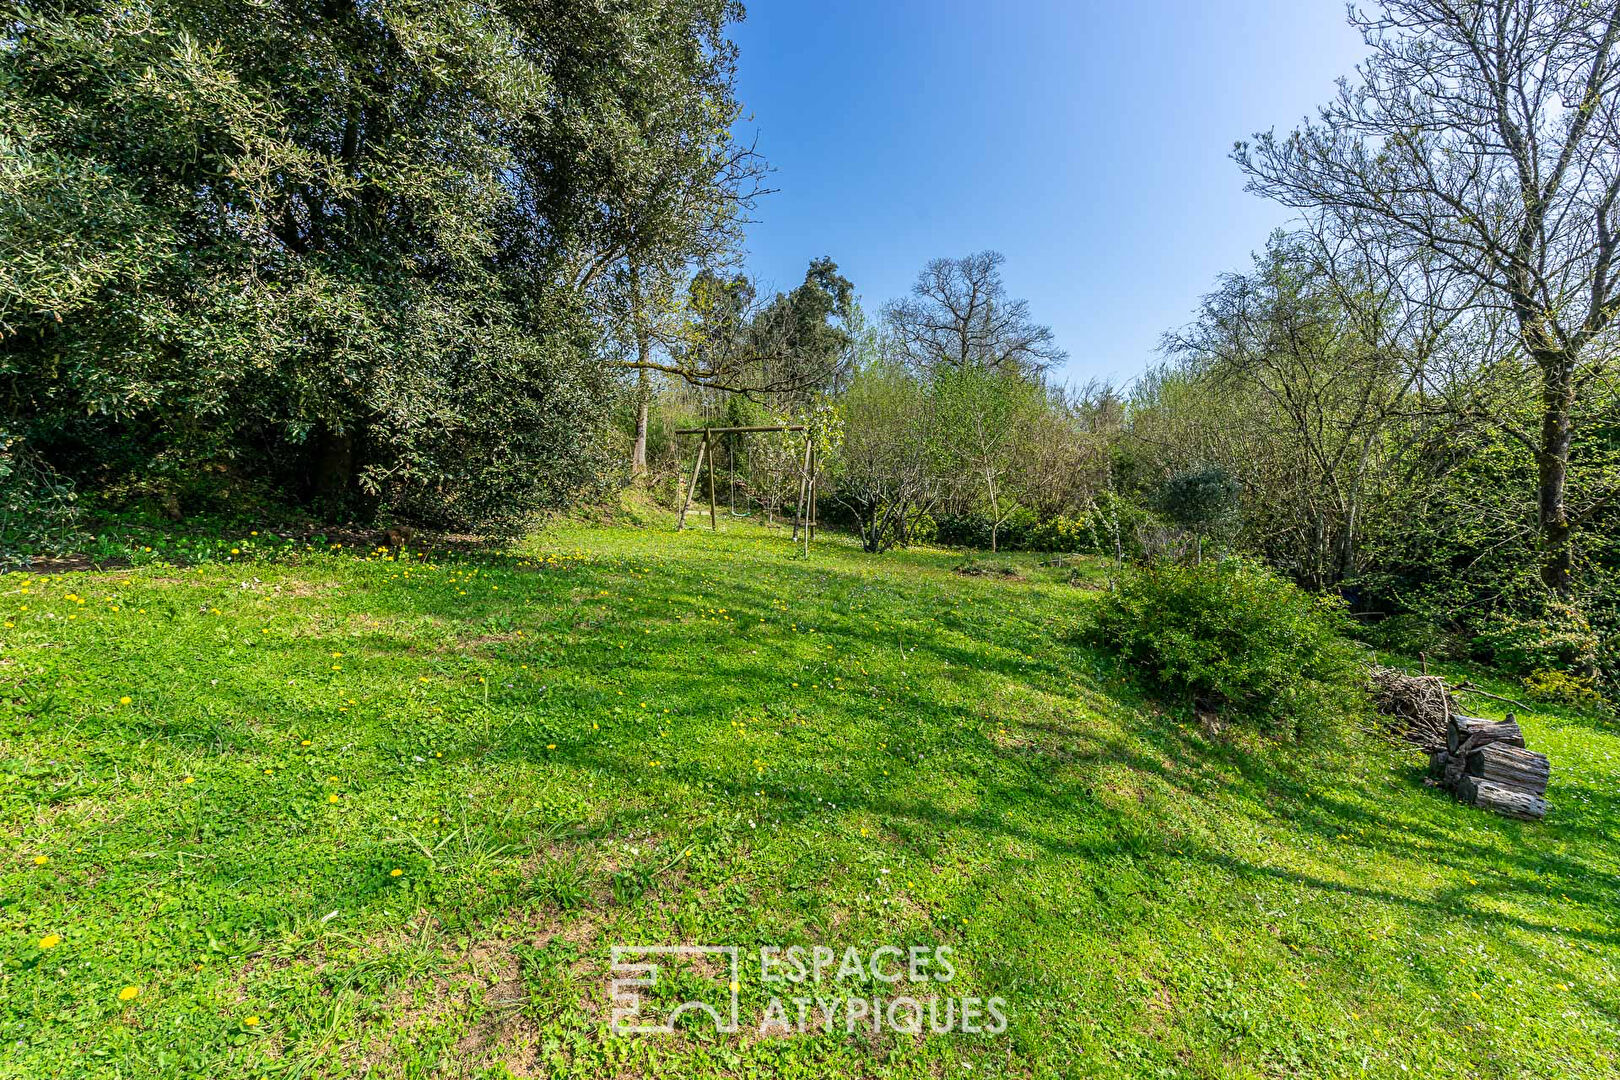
804	511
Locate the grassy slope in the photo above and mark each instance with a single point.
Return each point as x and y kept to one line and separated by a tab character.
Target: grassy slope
853	750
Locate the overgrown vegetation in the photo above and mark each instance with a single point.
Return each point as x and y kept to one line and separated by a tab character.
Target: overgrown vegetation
363	253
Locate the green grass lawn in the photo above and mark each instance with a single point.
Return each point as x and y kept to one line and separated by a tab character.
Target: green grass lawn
328	817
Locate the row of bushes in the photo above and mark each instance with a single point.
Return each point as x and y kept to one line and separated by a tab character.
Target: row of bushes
1234	638
1112	521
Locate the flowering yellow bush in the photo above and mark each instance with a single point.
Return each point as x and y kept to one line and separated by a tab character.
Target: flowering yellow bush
1562	688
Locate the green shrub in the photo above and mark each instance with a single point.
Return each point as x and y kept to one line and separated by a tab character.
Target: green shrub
1559	638
1562	688
1232	637
1413	633
1062	534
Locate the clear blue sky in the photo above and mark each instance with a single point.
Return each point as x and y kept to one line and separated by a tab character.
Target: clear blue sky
1086	141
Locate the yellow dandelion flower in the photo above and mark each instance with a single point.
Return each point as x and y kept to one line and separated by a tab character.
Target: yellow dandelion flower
331	798
129	993
395	872
251	1021
124	700
50	941
188	779
41	860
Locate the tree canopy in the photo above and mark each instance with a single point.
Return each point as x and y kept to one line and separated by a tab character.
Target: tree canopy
351	246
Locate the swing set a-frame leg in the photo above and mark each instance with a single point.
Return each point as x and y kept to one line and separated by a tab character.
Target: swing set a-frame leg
714	521
798	505
697	467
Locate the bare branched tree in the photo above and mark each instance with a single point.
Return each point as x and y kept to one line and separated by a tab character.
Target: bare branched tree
1317	339
1485	134
959	316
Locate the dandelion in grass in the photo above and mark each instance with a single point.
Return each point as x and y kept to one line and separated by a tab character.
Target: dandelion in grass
50	941
41	860
395	872
129	993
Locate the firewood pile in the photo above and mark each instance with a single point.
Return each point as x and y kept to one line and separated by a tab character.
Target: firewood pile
1483	763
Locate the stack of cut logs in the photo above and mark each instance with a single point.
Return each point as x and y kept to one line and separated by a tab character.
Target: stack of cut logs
1485	764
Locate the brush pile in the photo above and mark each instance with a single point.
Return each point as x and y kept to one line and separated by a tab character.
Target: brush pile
1482	762
1417	706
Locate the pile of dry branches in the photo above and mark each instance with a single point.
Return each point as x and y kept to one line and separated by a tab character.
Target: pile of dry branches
1417	706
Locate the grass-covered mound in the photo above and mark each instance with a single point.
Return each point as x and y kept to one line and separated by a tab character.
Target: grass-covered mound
211	776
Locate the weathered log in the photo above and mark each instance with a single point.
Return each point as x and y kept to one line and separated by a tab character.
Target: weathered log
1438	760
1513	766
1477	732
1507	801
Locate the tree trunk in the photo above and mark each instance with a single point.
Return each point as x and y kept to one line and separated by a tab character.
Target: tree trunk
1507	801
1552	470
995	511
1512	766
638	454
638	322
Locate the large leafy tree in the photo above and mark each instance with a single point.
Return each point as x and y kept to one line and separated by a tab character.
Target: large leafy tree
802	338
352	242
